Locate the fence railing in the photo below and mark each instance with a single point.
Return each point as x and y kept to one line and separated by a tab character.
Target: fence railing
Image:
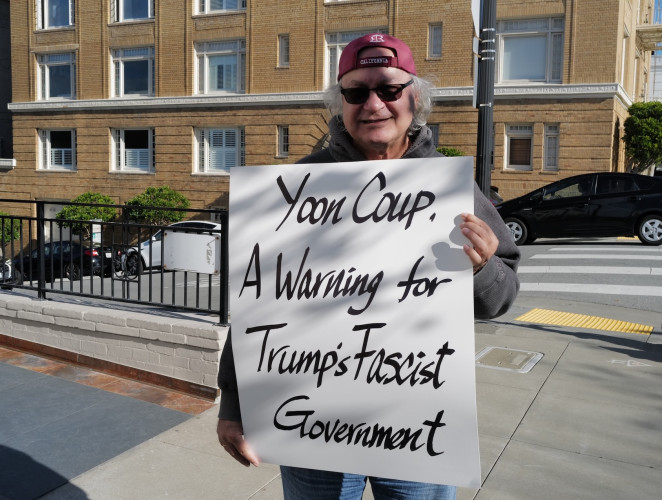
182	266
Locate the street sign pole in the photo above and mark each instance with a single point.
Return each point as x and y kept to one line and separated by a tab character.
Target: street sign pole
485	101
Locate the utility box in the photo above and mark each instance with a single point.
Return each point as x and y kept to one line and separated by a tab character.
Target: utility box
198	253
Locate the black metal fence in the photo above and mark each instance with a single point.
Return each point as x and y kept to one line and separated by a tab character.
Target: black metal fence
118	260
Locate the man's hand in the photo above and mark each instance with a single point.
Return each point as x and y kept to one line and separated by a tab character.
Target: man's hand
484	242
231	436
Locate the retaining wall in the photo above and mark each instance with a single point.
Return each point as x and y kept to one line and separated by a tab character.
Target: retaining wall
157	346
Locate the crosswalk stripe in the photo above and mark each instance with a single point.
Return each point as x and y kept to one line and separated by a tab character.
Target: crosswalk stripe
611	270
595	256
597	288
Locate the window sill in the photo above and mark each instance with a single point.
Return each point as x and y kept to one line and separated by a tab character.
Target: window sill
70	27
211	174
218	13
57	170
518	169
132	172
132	21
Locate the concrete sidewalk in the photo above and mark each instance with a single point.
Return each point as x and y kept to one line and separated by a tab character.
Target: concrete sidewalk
584	423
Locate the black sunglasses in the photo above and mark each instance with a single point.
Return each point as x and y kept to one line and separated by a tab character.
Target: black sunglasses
387	93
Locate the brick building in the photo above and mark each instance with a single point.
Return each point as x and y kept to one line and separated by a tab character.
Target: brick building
118	95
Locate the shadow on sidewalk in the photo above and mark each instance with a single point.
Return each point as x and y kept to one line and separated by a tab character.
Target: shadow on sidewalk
22	478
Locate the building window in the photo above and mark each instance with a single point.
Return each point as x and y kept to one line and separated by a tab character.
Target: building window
283	141
133	71
218	149
207	6
530	50
519	146
434	128
551	148
335	43
57	149
434	41
133	150
57	76
283	51
129	10
221	67
54	13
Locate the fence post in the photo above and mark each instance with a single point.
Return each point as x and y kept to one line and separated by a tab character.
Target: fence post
41	242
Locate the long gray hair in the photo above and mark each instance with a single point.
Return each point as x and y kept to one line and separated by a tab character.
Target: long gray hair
420	88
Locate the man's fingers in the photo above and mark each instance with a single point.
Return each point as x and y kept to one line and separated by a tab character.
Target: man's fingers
231	436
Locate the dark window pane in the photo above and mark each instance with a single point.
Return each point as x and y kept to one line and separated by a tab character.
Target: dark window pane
136	77
520	151
60	139
59	81
136	139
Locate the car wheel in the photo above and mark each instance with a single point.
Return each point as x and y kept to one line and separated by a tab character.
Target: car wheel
134	265
518	230
650	230
17	279
72	271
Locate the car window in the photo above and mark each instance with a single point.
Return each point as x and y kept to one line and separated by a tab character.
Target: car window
567	189
612	185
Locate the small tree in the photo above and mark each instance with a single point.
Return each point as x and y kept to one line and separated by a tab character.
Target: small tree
71	216
158	197
643	135
10	230
446	151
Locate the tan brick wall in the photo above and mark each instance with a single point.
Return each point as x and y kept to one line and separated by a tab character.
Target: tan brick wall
590	128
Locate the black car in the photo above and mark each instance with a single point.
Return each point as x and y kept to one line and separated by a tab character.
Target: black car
599	204
62	259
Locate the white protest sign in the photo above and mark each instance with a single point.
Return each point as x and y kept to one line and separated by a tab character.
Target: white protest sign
352	317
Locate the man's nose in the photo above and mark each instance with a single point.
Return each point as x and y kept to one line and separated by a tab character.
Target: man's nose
373	102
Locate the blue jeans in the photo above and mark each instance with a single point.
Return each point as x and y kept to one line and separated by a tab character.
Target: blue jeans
310	484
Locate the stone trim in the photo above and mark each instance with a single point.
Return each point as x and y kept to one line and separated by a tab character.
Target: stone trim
542	91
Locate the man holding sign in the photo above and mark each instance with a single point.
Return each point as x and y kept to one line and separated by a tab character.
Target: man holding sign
379	109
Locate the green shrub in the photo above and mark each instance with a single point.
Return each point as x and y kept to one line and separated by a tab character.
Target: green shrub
450	151
157	197
10	228
68	216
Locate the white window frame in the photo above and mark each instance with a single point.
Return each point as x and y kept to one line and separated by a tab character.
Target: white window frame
204	152
51	158
336	41
435	44
44	64
121	56
117	11
552	29
125	161
283	141
42	7
551	147
204	51
519	132
205	7
284	50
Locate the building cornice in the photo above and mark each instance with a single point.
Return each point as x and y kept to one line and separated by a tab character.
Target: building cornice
542	91
584	91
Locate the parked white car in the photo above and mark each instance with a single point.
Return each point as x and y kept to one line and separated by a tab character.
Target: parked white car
151	251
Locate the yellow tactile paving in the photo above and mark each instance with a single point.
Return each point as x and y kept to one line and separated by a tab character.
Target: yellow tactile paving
559	318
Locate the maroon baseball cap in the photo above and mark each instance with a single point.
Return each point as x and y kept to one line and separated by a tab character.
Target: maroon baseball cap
350	60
